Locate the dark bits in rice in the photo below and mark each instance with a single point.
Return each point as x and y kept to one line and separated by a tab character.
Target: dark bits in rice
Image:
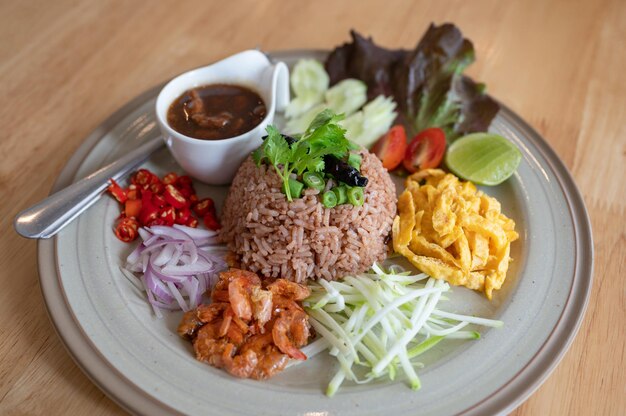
302	239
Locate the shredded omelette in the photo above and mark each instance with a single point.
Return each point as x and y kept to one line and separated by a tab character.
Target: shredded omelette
450	230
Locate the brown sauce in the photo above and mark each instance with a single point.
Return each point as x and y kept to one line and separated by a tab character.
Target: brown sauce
216	111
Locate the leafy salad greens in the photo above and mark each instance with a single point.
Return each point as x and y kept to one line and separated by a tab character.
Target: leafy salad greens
427	83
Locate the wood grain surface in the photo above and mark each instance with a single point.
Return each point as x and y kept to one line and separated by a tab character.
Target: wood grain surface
66	65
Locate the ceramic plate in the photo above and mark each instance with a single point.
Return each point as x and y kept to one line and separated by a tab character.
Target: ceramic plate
141	363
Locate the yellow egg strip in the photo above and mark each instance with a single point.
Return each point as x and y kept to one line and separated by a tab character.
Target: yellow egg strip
450	230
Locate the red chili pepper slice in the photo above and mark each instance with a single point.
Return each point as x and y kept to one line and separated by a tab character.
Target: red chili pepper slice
182	216
170	178
184	182
159	201
157	187
187	193
192	222
133	193
132	208
168	215
210	220
149	212
126	229
117	191
203	207
143	178
174	197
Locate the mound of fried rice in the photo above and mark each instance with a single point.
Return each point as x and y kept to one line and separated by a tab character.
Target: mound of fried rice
303	239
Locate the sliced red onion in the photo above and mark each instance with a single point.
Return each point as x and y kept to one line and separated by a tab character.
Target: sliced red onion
196	233
177	266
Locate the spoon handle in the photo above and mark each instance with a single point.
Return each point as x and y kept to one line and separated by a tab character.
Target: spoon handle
49	216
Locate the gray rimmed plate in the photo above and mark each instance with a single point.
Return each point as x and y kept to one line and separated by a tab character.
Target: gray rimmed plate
142	364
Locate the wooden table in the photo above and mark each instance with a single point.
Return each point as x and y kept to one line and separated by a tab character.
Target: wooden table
65	65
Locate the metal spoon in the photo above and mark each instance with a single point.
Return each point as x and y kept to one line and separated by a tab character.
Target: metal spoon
49	216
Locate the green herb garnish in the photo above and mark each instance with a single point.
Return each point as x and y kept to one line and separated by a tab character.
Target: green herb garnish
323	137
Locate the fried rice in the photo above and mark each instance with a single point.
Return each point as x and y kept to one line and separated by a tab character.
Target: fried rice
303	239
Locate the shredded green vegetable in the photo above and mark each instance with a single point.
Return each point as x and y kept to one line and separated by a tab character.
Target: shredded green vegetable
382	321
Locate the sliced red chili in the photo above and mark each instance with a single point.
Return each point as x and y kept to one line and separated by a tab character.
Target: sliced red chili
143	178
159	201
210	220
193	198
157	187
192	222
187	193
184	182
133	193
117	191
170	178
174	197
203	207
126	229
132	208
149	211
168	215
183	215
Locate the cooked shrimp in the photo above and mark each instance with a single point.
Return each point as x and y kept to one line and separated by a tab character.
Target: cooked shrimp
189	325
249	331
282	303
208	347
208	313
291	330
290	290
232	274
270	363
239	290
220	295
270	359
228	318
241	365
234	332
261	305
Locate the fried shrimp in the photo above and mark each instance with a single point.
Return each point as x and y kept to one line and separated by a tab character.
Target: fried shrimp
292	290
291	331
249	331
241	365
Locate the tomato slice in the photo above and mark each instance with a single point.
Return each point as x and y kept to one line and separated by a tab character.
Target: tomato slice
391	147
425	150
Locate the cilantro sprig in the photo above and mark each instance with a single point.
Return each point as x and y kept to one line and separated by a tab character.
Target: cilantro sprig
323	137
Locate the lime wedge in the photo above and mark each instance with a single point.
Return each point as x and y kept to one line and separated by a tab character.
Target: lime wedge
483	158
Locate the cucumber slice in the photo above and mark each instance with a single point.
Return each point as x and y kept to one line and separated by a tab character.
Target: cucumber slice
309	82
366	126
300	105
347	96
299	124
353	126
309	76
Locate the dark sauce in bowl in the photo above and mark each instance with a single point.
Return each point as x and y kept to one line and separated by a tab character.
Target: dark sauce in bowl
216	111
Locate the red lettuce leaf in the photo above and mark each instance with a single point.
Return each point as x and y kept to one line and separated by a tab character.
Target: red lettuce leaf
427	82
